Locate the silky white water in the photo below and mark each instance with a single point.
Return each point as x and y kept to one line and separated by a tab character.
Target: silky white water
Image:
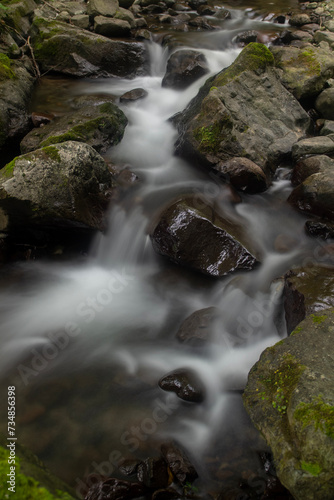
119	312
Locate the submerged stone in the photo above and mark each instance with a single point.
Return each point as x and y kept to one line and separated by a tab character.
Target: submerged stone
185	383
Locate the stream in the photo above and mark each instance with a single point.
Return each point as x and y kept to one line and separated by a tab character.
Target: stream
87	341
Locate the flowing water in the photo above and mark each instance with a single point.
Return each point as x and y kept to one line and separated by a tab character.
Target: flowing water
86	343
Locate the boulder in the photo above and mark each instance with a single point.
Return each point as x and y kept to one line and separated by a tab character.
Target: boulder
290	399
105	8
324	103
323	229
324	36
304	70
19	14
327	127
243	174
60	185
323	145
315	195
245	37
183	68
222	247
179	464
185	383
16	85
244	111
99	126
110	27
199	326
69	50
133	95
307	291
299	19
309	166
153	473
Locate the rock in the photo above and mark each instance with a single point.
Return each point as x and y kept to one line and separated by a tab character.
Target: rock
223	14
111	27
324	36
206	10
323	145
221	248
183	68
81	21
115	489
306	291
19	14
153	473
201	23
324	103
133	95
309	166
46	188
320	229
105	8
179	463
195	4
16	85
245	37
126	15
41	119
304	70
327	127
290	399
244	111
169	494
243	174
315	195
125	4
69	50
299	19
199	326
99	126
185	383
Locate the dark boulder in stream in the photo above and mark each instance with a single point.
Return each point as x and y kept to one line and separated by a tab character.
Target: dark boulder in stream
183	68
185	383
199	326
192	234
244	111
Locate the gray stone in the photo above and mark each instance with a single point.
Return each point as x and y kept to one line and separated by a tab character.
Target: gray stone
199	326
126	15
81	21
183	68
324	103
324	36
304	70
100	126
327	128
106	8
243	174
244	111
313	146
67	183
309	166
133	95
111	27
290	399
299	20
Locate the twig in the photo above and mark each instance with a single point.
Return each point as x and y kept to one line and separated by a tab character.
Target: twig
38	73
52	6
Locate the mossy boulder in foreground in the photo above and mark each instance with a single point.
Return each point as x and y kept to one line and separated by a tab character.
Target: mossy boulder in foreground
290	399
244	111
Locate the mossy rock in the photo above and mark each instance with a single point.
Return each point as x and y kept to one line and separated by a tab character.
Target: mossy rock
99	126
290	399
304	71
33	480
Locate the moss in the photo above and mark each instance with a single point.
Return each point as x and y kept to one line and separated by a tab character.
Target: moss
255	56
26	488
209	137
107	107
7	170
312	468
281	383
318	414
6	71
296	330
52	153
67	136
308	61
318	319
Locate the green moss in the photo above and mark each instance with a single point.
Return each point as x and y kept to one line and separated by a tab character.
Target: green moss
255	56
67	136
312	468
317	413
6	71
107	107
308	61
209	137
318	319
7	170
52	153
26	488
281	383
296	330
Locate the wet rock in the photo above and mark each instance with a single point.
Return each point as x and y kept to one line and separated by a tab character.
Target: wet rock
41	119
129	467
243	174
307	291
304	70
289	397
199	326
195	4
69	50
206	10
179	463
185	383
183	68
201	23
133	95
245	37
299	19
309	166
223	14
315	195
111	27
46	188
99	126
115	489
244	111
153	473
322	145
324	103
320	229
221	249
